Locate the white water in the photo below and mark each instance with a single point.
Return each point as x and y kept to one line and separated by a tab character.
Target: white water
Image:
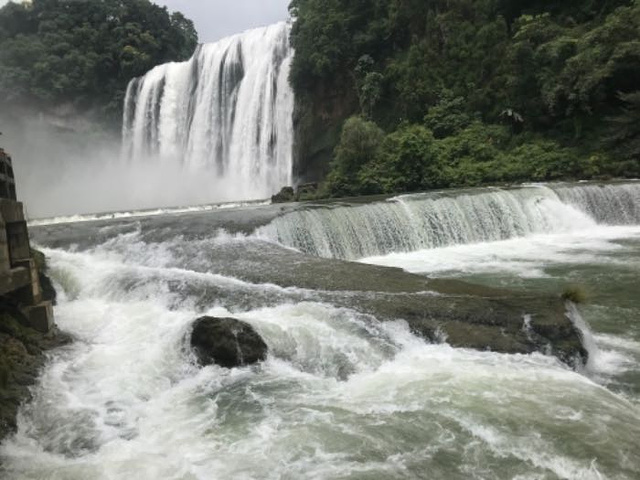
143	213
340	396
425	221
226	115
524	256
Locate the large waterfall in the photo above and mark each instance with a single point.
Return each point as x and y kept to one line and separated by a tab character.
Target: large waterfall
413	222
225	114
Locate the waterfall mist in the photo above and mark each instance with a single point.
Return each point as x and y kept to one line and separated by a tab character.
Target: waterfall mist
225	114
63	171
214	129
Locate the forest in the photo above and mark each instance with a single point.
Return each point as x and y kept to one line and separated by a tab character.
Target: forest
391	95
405	95
85	52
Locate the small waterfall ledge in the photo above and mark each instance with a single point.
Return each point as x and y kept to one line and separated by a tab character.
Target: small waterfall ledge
432	220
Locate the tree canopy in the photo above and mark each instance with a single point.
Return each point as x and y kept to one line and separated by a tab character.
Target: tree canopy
521	78
85	52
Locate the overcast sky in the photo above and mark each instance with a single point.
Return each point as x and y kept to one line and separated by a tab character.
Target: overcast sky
215	19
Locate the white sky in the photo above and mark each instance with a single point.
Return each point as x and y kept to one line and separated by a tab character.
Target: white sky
215	19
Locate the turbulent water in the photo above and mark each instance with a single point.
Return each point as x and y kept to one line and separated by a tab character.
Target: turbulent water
341	395
226	113
414	222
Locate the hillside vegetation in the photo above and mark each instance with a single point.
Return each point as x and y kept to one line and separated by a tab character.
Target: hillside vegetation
84	52
402	95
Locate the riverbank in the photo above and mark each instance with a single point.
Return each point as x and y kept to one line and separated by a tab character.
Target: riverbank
23	352
350	387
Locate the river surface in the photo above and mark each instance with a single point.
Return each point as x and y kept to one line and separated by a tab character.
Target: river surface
341	396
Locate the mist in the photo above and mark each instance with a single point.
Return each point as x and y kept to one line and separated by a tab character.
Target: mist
66	169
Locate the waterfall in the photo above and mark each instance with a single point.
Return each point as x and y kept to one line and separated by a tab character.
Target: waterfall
226	112
431	220
614	204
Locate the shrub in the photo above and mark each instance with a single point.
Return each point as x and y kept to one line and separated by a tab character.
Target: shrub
359	144
575	294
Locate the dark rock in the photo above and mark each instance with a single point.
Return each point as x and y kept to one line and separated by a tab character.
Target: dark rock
21	358
48	291
226	342
284	196
306	191
466	314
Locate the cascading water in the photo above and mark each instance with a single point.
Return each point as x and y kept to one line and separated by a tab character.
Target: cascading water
617	204
422	221
341	395
227	113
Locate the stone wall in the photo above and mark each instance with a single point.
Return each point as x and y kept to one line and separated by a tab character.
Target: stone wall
26	319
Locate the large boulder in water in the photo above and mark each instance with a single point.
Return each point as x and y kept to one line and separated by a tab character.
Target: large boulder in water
226	342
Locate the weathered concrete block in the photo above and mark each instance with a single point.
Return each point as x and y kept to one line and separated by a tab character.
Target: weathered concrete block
33	294
18	240
11	211
12	280
40	317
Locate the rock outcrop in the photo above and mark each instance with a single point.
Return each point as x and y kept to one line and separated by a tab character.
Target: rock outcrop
22	355
287	194
304	192
465	314
226	342
46	285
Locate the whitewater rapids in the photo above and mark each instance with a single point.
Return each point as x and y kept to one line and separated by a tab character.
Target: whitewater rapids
341	395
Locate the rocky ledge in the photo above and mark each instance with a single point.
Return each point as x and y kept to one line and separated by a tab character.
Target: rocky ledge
463	314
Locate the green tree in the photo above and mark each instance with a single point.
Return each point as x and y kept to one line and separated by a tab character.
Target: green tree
85	52
359	144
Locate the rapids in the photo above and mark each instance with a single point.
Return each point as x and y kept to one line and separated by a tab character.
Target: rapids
342	395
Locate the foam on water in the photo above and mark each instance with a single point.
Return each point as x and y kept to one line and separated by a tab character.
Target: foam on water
424	221
525	257
340	396
143	213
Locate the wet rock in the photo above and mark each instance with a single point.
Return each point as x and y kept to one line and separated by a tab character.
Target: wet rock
285	195
48	291
21	358
46	285
465	314
226	342
306	191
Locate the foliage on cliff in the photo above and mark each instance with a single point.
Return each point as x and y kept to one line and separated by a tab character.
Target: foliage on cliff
464	92
84	52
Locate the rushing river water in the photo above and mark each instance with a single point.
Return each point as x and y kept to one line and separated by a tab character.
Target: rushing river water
341	395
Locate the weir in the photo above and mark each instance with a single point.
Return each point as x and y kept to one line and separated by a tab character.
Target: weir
431	220
227	112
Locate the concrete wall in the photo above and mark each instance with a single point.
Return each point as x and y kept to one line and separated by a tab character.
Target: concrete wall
19	279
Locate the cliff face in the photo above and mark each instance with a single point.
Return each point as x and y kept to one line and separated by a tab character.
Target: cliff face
318	118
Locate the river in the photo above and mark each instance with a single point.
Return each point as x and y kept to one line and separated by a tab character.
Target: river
341	395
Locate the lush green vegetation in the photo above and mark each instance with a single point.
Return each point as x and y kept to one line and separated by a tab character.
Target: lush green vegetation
464	92
84	52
